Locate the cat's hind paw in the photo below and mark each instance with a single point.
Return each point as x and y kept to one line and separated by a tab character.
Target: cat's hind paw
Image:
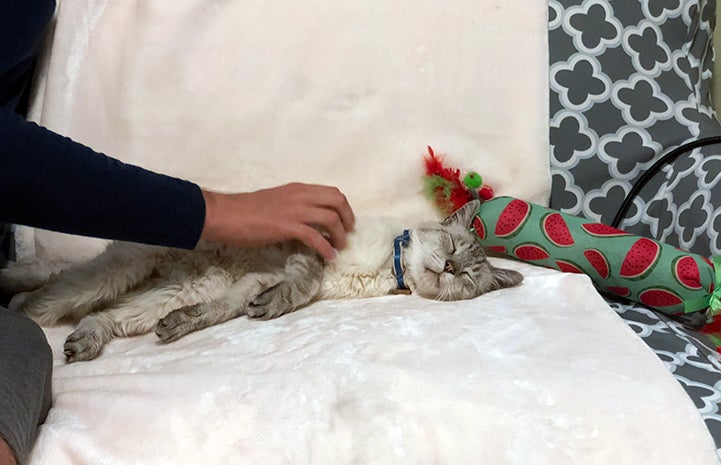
272	303
82	345
177	323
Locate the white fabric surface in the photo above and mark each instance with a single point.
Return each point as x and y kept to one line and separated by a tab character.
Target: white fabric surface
238	95
545	373
243	94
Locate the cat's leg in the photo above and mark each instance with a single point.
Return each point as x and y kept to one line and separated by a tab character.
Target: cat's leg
91	334
231	305
138	311
266	295
76	291
303	276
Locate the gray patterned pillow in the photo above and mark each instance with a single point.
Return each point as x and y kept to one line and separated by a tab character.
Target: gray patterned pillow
629	82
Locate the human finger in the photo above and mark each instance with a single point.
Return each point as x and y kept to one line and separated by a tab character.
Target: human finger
342	207
316	241
332	197
329	222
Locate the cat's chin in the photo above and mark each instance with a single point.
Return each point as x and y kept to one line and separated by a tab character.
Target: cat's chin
428	295
427	284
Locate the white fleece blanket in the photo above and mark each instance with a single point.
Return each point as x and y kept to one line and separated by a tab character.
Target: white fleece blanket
243	94
545	373
240	94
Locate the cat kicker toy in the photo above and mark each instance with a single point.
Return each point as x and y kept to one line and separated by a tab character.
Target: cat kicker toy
636	268
447	190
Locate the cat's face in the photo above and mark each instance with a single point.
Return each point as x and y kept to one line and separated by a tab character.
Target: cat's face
445	261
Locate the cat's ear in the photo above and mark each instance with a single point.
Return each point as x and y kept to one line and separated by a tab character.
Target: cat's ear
463	215
503	278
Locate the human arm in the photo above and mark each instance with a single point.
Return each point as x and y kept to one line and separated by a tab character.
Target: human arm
51	182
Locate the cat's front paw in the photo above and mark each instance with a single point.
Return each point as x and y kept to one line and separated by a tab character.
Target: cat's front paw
177	323
82	345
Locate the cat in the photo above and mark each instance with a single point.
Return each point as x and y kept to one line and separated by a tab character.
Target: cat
131	289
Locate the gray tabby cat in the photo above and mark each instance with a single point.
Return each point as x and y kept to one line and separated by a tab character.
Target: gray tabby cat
130	289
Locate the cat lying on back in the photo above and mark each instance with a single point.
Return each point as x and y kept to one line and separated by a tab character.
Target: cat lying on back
131	289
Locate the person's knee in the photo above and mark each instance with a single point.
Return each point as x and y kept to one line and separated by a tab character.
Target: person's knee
24	334
26	373
23	326
23	342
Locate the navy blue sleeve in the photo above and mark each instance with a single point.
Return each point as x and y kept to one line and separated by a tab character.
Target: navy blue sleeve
51	182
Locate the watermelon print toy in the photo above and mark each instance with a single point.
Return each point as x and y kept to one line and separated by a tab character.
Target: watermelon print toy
640	269
637	268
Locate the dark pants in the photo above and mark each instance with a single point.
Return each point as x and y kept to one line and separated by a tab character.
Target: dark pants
25	374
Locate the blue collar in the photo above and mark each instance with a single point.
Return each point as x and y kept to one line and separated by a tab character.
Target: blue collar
400	243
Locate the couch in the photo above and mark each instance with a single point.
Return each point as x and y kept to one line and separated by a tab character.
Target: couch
561	104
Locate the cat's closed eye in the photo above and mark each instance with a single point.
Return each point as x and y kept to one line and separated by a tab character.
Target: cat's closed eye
451	244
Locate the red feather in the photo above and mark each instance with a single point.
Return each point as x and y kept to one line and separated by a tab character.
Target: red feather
459	194
434	166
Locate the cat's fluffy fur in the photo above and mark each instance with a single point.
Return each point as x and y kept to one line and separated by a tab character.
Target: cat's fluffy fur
131	289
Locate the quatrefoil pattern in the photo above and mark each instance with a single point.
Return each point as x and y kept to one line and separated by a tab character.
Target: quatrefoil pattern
629	82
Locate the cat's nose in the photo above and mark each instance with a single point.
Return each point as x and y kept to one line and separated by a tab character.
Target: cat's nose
449	268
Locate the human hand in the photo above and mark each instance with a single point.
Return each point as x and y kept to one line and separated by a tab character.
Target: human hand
319	216
6	454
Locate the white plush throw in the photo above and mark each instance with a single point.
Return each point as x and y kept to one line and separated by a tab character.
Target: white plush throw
545	373
238	95
243	94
